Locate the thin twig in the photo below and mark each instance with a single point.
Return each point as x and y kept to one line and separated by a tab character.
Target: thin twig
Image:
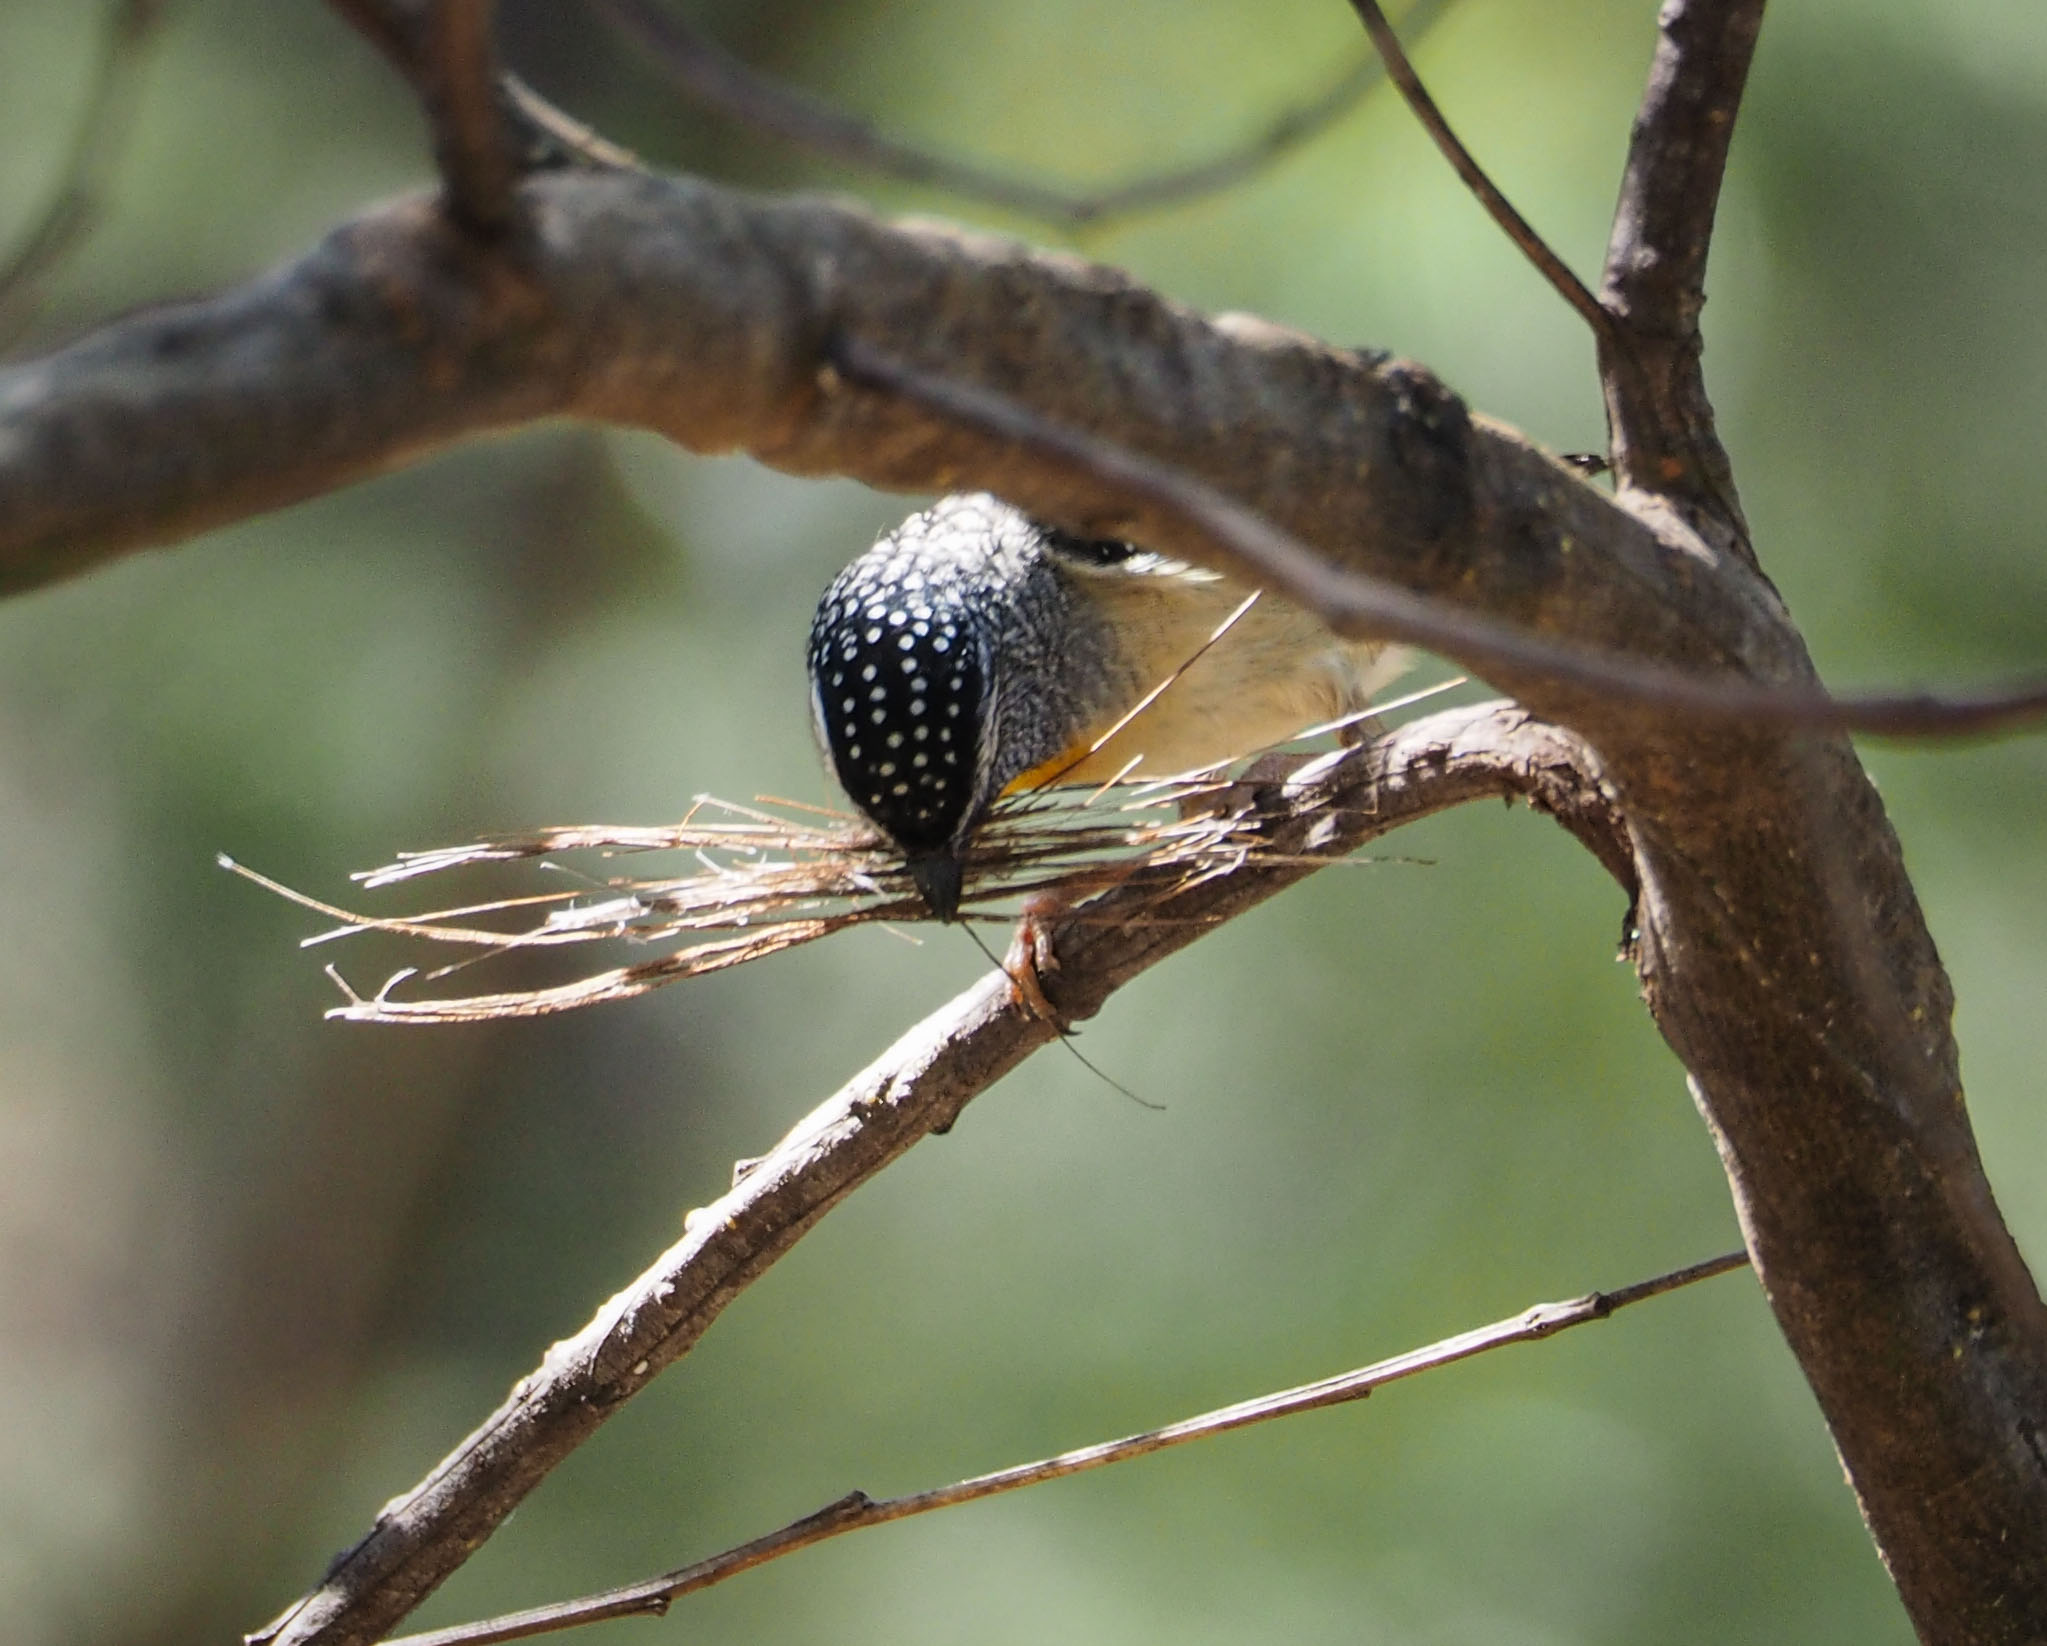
1361	606
856	1511
462	96
714	78
73	208
1516	227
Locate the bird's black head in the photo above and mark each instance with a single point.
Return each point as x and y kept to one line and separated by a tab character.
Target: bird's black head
951	658
899	686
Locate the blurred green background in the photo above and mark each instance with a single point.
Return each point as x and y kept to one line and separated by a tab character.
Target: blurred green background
258	1271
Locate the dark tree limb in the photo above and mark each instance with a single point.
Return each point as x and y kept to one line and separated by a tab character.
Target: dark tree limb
1365	607
1664	438
919	1085
1845	1139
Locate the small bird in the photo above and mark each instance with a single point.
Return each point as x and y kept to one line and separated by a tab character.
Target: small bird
974	652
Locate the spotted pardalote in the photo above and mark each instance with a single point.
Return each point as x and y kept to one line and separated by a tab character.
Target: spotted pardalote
974	652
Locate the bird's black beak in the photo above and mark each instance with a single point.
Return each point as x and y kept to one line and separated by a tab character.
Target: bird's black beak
937	875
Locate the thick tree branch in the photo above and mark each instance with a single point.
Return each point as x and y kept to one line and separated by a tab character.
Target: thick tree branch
919	1085
1664	439
705	314
1366	607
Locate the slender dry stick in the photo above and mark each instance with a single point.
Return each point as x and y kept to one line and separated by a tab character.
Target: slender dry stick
714	78
856	1511
471	143
1356	604
96	145
1516	227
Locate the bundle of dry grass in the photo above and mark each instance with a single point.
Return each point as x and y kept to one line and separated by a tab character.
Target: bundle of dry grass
763	880
775	875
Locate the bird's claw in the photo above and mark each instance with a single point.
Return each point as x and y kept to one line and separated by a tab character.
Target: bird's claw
1031	956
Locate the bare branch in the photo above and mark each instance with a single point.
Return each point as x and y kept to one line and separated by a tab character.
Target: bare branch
96	144
651	301
714	78
1354	604
919	1085
1516	227
1664	438
856	1511
462	98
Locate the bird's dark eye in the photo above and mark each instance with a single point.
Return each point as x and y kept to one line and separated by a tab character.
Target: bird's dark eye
1089	551
898	679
